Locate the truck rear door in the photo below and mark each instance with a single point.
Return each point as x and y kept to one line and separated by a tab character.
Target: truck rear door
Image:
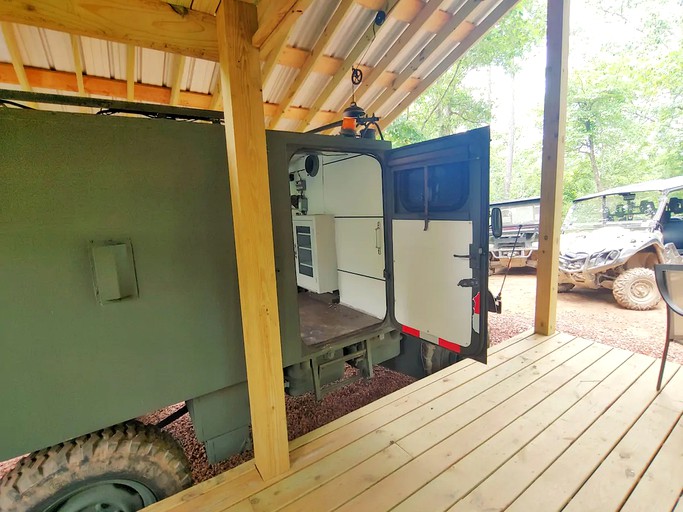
436	202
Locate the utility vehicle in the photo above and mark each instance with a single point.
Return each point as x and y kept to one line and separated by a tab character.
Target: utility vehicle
613	239
518	245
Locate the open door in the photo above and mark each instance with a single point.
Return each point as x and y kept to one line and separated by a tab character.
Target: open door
436	202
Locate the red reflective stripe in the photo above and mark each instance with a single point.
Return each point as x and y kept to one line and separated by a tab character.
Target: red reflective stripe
477	304
411	331
454	347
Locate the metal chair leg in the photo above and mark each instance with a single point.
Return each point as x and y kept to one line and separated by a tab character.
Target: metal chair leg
661	368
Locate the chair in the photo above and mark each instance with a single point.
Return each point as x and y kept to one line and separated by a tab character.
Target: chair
670	284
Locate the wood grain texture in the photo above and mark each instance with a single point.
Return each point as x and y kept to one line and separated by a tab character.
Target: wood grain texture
250	193
552	165
15	55
147	23
548	417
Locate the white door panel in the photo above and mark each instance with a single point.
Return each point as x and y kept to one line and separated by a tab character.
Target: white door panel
360	246
364	294
426	275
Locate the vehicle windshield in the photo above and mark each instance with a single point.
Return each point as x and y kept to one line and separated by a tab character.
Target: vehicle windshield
520	214
635	209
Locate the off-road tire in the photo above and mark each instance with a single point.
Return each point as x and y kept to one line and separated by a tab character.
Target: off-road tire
636	289
130	451
436	358
564	287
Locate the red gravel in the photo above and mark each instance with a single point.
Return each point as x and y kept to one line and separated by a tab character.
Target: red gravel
592	315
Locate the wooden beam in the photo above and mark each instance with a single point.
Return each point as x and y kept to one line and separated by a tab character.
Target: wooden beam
78	63
271	15
217	96
15	55
253	227
404	39
475	33
441	38
147	23
63	81
343	72
130	72
552	165
312	59
176	78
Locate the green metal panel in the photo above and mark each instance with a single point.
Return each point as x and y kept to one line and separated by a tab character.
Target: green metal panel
75	190
118	285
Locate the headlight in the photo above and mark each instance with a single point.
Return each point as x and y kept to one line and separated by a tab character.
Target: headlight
600	259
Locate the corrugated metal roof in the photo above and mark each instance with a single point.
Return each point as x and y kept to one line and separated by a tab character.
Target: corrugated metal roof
44	49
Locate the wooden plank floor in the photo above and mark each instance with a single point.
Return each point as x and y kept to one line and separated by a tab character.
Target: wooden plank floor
551	423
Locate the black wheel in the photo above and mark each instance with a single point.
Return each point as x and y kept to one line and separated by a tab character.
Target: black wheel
564	287
636	289
119	469
435	358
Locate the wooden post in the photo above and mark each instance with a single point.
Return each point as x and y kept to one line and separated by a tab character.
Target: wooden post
552	167
250	195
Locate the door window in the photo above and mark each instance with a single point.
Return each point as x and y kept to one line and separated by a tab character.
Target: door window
445	188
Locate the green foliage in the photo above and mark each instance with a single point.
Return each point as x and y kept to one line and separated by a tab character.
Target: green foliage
624	106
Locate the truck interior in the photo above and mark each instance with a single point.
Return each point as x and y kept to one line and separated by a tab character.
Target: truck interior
338	234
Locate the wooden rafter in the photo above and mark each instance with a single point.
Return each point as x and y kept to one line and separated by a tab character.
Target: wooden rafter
78	63
217	96
64	81
312	59
150	24
275	18
475	34
130	72
15	55
416	25
351	59
444	36
176	78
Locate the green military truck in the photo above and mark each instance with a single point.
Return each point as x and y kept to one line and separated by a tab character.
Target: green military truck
120	296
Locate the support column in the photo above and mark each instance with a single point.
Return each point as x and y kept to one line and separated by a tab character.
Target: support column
250	196
552	168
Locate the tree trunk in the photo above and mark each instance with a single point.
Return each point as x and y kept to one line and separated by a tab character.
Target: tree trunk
511	142
594	164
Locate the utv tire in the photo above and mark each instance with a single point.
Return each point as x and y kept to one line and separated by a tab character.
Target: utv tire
564	287
122	468
436	358
636	289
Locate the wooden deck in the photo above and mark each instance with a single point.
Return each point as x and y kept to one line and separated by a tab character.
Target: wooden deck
551	423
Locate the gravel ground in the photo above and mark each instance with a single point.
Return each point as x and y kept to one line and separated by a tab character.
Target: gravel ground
589	314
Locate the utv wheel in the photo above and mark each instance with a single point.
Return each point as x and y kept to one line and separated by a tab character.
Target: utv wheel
435	358
636	289
564	287
119	469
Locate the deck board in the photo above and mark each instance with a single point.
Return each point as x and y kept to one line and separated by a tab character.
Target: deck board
544	426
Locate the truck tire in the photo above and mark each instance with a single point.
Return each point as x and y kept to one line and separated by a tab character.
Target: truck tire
636	289
435	358
122	468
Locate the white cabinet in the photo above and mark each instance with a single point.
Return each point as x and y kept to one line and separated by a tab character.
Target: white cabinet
314	252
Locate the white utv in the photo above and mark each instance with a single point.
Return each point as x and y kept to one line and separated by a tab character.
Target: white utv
613	239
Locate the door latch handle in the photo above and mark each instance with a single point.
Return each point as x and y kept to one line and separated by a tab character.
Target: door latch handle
469	283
